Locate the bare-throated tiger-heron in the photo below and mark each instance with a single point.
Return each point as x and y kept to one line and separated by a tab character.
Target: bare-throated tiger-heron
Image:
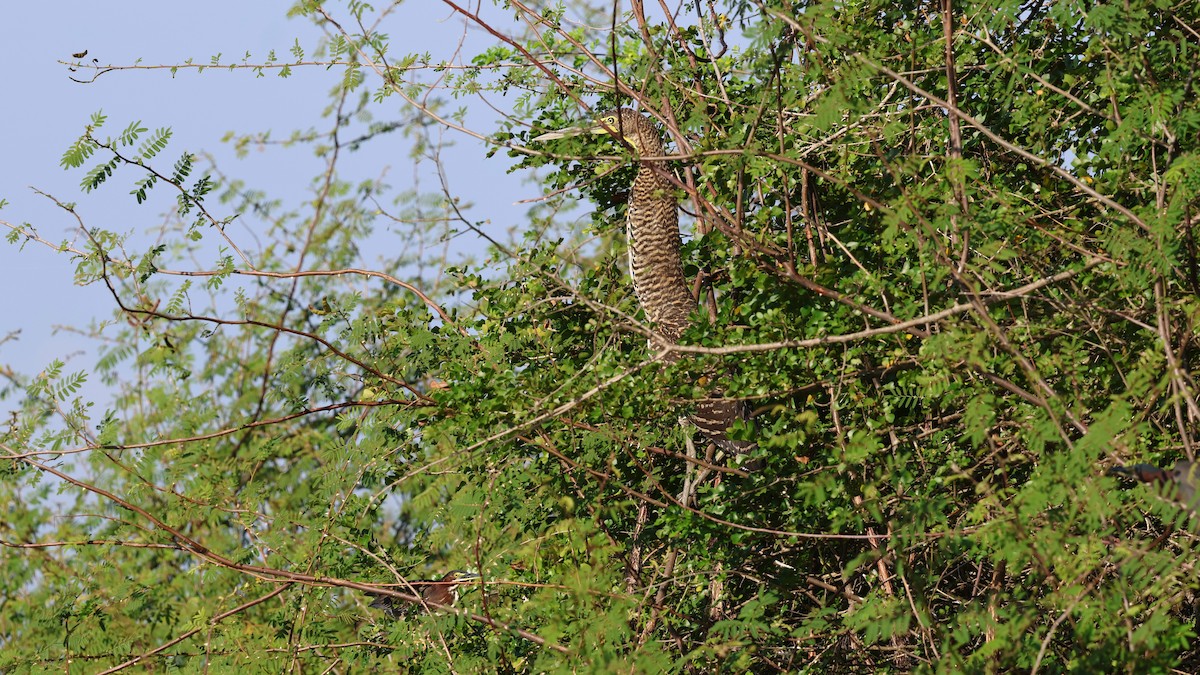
652	226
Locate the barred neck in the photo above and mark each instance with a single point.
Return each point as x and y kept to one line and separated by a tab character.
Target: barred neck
652	220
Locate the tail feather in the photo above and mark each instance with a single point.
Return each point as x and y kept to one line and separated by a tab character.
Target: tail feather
715	416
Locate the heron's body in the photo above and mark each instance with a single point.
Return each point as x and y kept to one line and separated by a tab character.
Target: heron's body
655	264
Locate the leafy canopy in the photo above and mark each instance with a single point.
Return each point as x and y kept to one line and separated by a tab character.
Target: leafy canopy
946	253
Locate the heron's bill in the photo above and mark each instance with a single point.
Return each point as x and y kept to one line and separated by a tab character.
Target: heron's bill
562	133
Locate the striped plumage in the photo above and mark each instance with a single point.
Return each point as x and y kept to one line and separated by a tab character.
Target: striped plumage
652	225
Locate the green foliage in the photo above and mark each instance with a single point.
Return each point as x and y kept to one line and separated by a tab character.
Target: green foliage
83	148
949	325
154	145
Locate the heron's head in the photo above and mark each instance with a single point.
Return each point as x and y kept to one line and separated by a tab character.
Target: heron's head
623	123
459	577
1145	473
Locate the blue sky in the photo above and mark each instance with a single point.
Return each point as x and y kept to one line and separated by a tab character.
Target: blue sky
46	111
